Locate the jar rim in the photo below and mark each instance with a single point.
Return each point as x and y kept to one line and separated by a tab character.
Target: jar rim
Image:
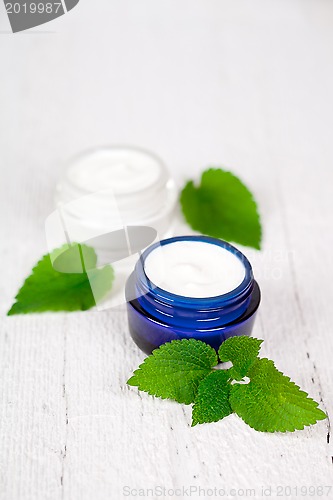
219	300
250	311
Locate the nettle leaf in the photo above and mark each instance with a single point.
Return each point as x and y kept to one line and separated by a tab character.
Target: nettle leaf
212	401
175	369
242	351
183	370
270	402
48	289
222	207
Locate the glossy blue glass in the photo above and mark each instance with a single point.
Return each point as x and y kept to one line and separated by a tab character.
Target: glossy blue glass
156	316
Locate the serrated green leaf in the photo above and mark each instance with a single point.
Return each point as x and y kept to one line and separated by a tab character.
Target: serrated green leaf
270	402
222	207
242	351
74	258
47	289
175	369
212	401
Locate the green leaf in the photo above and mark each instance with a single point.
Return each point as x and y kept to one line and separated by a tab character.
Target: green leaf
47	289
175	369
242	351
270	402
74	258
222	207
212	401
183	370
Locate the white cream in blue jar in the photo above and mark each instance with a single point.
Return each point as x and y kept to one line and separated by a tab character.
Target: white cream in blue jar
191	287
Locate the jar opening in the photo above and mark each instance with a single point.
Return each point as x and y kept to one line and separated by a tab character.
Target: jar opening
194	269
178	308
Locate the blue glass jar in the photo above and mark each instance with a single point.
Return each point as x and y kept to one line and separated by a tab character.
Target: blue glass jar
156	316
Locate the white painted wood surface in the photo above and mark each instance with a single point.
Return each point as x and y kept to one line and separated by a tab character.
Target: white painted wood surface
209	82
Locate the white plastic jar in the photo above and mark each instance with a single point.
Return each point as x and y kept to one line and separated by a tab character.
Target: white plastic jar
118	199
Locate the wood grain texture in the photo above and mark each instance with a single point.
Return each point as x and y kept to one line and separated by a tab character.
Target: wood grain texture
203	82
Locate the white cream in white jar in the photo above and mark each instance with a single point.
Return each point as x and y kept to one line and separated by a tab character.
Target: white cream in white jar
103	194
125	185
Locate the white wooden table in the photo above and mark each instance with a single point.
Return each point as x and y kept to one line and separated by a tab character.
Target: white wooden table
201	82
